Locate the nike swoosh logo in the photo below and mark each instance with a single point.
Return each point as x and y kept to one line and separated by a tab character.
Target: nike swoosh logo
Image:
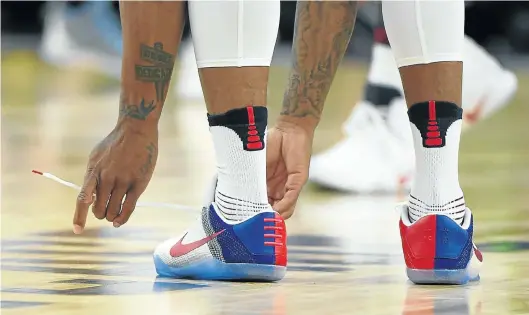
180	249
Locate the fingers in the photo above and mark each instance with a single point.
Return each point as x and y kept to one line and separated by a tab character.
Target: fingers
84	199
287	204
127	208
103	191
116	198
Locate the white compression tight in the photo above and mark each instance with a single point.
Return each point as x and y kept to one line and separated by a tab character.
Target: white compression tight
240	33
425	31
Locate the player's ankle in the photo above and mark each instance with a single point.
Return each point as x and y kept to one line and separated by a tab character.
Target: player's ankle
238	138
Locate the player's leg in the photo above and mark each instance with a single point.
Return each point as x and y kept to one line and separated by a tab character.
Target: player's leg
371	156
239	236
381	144
427	39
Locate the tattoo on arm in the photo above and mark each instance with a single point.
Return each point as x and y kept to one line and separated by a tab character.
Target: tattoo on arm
160	70
139	112
151	160
322	33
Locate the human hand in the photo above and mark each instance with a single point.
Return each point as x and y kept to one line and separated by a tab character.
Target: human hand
288	152
120	165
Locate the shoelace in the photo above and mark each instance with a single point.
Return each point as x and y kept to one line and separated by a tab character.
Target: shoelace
139	204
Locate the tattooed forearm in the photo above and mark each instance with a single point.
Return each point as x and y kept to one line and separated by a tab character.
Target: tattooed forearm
139	112
151	32
150	161
160	70
322	33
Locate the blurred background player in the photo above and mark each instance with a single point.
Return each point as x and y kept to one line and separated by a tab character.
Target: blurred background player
83	34
376	154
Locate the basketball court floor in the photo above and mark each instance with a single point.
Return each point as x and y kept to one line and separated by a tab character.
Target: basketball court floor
344	252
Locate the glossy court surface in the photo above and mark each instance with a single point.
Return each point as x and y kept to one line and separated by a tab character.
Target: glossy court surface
344	252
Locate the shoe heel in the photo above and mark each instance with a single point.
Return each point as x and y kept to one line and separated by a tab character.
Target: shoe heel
437	251
265	238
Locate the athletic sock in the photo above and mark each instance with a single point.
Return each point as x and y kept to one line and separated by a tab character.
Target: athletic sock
436	129
239	141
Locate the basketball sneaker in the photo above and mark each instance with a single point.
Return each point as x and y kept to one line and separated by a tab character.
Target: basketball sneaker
213	249
437	250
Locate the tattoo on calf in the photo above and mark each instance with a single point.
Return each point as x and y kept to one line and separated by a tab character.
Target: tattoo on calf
161	69
313	69
139	112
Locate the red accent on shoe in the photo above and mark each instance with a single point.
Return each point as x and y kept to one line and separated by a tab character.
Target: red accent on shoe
418	242
280	238
180	249
478	254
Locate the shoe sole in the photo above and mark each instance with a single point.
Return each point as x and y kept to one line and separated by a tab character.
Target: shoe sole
440	276
213	269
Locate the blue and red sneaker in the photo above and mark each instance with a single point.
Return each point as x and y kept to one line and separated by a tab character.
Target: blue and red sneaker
437	250
252	250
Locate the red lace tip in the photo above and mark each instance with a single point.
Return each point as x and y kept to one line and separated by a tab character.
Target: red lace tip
36	172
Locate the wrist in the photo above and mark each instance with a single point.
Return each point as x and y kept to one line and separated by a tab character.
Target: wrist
125	123
138	113
308	124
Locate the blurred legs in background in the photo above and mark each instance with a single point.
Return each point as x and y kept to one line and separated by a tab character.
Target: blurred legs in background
82	34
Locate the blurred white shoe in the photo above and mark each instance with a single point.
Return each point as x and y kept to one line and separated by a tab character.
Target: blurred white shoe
187	85
372	158
487	86
87	36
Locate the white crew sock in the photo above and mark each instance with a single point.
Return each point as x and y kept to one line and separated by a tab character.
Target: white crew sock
239	140
436	129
